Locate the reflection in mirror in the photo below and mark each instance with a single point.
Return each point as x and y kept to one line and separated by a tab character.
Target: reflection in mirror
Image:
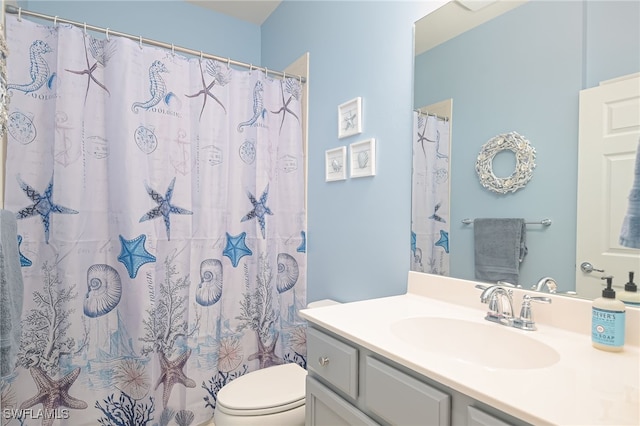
523	71
430	216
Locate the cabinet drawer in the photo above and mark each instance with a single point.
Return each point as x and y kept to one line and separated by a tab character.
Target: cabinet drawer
399	399
334	361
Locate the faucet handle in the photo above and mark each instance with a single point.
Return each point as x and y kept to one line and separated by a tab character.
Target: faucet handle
539	299
525	321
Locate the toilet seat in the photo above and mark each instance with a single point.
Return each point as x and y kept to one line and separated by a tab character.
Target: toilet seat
270	390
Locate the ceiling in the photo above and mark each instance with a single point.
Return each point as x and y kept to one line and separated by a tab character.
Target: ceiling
456	17
254	11
444	23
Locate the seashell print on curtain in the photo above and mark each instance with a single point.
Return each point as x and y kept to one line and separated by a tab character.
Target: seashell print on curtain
161	222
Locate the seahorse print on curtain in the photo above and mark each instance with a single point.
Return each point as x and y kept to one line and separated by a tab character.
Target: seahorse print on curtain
161	222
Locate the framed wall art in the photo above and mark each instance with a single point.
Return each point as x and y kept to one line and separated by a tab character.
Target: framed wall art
363	158
350	118
336	164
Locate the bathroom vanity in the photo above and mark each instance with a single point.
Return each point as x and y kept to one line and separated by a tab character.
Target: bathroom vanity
429	357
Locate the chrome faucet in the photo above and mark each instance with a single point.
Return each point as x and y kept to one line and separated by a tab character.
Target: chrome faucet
551	286
550	283
500	303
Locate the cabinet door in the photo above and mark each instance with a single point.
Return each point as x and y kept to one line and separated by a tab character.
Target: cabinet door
476	417
401	399
325	408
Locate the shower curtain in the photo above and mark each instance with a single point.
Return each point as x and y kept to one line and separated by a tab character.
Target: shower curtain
161	222
430	195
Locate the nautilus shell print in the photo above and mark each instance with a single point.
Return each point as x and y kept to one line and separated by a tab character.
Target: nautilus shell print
210	288
104	290
287	272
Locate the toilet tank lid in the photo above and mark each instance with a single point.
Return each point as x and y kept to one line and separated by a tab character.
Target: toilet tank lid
266	388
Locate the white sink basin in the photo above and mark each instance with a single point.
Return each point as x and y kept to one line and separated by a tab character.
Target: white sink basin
487	344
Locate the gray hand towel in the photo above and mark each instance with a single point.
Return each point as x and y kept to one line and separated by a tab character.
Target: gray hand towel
11	292
499	247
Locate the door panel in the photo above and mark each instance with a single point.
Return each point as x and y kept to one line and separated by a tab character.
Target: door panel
608	140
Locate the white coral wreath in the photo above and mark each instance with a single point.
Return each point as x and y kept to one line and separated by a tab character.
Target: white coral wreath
525	163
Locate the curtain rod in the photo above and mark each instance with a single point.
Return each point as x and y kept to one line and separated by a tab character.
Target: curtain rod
545	222
428	114
19	11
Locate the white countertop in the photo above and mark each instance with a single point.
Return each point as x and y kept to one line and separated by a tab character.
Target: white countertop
586	386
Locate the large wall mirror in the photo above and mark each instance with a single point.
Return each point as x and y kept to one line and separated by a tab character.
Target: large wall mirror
520	66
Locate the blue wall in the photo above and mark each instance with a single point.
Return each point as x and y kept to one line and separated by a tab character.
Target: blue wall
359	229
523	72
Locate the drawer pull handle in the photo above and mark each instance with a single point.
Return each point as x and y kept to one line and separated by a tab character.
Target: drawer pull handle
323	360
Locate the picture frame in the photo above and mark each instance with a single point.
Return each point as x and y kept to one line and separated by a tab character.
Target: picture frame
350	118
363	158
336	164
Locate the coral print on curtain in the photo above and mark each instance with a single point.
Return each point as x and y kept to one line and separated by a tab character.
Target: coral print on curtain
430	195
160	207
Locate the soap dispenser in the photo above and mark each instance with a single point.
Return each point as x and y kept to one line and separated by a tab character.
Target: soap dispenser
608	320
630	296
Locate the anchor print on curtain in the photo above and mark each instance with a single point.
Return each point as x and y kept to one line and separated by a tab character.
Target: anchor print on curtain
430	195
161	222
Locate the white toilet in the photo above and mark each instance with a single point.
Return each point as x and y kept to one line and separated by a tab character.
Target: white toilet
272	396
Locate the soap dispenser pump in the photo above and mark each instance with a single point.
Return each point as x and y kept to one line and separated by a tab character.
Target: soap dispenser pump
630	296
608	320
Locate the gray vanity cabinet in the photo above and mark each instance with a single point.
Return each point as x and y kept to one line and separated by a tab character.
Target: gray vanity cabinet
351	385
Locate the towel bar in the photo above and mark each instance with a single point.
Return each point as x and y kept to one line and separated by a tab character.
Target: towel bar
545	222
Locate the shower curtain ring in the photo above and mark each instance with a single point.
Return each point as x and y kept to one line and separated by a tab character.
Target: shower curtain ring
266	72
284	75
228	63
140	42
201	56
250	68
107	33
55	21
85	28
173	50
19	14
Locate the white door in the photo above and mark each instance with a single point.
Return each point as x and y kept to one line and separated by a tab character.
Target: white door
608	140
